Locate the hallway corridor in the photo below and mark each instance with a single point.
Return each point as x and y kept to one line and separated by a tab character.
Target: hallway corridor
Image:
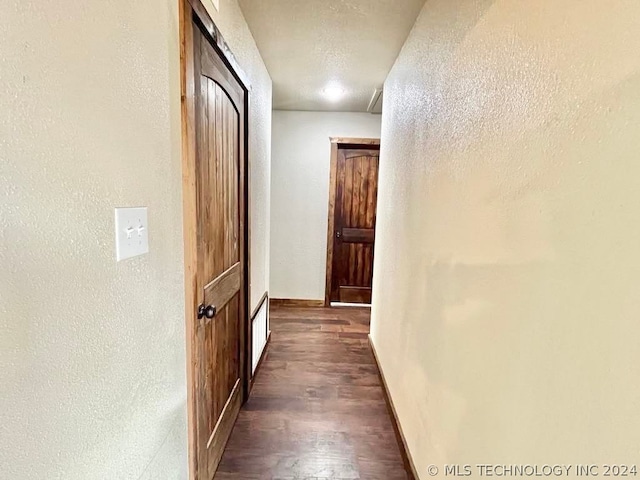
317	410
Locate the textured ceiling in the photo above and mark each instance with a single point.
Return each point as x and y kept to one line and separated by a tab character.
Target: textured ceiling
309	44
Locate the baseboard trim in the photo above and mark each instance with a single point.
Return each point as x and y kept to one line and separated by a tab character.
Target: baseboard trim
402	442
263	356
294	302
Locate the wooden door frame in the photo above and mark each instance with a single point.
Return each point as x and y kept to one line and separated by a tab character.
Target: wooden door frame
336	143
190	10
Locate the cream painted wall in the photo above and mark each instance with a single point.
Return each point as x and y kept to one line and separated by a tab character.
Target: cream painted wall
505	309
300	196
92	352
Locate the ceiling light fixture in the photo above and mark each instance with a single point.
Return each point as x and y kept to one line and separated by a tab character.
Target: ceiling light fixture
333	92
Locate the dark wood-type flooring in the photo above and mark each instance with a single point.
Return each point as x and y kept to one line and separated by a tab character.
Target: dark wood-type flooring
317	410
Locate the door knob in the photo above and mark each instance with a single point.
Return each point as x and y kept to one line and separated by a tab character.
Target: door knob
338	234
209	311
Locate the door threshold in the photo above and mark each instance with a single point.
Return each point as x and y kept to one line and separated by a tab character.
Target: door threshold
357	305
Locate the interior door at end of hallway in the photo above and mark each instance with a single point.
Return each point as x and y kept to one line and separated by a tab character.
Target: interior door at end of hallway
354	224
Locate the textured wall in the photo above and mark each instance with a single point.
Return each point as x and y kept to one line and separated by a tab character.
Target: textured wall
92	352
300	196
506	302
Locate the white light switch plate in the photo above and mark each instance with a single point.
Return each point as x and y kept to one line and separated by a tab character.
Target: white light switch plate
132	233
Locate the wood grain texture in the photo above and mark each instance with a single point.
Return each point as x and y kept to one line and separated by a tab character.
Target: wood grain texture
219	108
355	295
352	218
223	428
295	302
353	189
402	441
214	158
190	219
317	409
358	235
219	292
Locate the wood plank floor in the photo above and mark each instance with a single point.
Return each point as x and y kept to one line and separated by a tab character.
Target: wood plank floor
317	410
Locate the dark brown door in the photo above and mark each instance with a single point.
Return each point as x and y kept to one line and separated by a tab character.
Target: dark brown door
354	223
220	111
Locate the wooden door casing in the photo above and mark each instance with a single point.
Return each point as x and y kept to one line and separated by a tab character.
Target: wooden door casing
214	106
355	191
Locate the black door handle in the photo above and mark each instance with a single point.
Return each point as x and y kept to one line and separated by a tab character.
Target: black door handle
209	311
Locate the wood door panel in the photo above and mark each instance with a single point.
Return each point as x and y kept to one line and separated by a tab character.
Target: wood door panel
372	198
223	288
222	430
219	231
233	334
220	272
368	266
208	413
358	235
354	223
355	295
213	67
363	168
225	335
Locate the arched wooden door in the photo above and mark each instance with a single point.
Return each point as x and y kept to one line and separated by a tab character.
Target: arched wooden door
352	221
219	331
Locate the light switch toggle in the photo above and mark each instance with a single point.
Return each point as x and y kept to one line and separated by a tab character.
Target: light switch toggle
132	232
